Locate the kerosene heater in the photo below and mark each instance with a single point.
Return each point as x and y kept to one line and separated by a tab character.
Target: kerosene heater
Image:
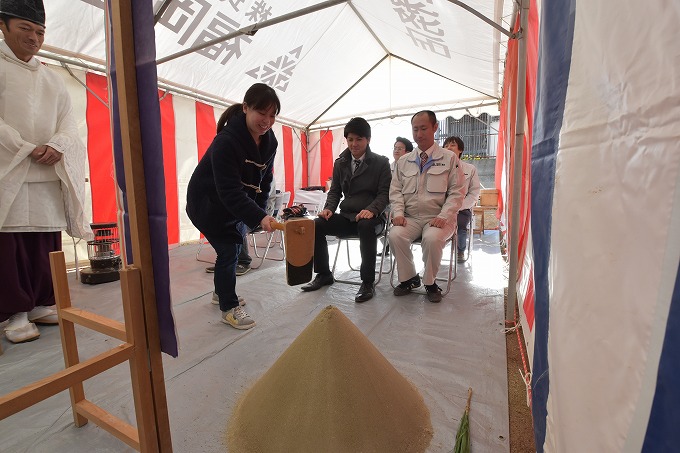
104	255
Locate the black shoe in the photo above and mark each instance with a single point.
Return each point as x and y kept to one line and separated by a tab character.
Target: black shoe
365	292
405	287
434	293
387	251
242	269
319	281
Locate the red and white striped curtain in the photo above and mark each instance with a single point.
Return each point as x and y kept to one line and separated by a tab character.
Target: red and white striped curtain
188	128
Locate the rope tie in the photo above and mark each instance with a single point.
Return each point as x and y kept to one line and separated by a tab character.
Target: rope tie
527	384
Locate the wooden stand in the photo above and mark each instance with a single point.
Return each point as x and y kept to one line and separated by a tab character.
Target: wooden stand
488	200
478	211
134	349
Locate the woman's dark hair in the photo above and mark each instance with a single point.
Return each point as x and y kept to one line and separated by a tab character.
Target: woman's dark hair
407	143
259	97
358	126
459	142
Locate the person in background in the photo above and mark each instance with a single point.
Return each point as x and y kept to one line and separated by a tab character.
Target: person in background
244	258
425	195
361	179
228	191
402	146
472	189
42	172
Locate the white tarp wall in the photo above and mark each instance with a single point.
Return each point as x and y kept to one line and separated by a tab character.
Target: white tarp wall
605	223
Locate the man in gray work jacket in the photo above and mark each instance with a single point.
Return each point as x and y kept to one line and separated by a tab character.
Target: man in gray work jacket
426	193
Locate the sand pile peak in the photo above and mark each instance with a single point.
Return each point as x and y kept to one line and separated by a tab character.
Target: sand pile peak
331	391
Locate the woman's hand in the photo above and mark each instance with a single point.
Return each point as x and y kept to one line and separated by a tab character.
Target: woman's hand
266	223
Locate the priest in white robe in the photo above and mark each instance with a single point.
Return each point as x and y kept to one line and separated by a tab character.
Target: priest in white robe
42	172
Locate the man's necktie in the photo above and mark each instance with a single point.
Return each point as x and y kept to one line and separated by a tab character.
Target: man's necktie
357	162
423	159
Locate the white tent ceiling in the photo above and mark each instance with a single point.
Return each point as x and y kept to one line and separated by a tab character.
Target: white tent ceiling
328	60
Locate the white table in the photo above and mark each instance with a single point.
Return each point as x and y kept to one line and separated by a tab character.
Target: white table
313	200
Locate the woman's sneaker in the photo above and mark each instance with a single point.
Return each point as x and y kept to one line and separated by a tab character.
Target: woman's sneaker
238	319
216	300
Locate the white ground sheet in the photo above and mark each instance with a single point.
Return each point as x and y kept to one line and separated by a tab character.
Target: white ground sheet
442	348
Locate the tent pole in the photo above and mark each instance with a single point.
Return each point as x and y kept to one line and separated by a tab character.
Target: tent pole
252	29
518	157
161	9
482	17
347	91
407	114
447	78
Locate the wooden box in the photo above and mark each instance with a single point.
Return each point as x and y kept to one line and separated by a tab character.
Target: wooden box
488	197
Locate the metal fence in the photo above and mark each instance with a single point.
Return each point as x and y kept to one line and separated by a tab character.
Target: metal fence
479	134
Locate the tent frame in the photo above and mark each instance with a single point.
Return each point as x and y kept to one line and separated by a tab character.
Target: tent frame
251	29
518	155
144	348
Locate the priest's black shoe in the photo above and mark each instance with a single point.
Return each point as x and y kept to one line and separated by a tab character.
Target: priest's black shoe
319	281
365	293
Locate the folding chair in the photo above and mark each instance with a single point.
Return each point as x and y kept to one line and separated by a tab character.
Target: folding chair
285	198
201	242
346	240
273	238
452	243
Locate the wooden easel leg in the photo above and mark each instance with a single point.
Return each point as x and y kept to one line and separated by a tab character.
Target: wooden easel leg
131	286
131	145
62	296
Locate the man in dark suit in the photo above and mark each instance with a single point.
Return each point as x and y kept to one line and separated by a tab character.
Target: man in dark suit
363	178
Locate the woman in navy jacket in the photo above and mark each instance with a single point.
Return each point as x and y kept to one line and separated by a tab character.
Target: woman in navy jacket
227	194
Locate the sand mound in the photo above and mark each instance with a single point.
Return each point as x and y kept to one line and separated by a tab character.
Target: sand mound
331	391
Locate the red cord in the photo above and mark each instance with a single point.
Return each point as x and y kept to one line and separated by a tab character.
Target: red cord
522	351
